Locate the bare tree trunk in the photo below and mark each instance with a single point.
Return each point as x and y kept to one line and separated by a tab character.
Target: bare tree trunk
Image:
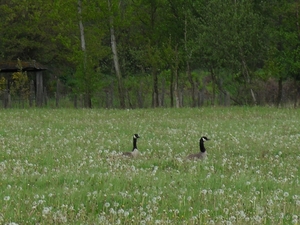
214	80
39	89
188	69
162	97
155	97
57	93
295	93
87	99
176	78
31	93
81	27
247	75
176	89
171	88
116	58
140	96
279	93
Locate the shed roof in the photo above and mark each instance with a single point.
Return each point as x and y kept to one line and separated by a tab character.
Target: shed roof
12	66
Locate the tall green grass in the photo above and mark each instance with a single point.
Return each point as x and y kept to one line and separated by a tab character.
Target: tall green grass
63	166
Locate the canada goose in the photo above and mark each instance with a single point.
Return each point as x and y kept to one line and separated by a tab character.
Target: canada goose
135	152
202	153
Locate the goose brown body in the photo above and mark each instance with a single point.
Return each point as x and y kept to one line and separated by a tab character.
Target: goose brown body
202	154
135	152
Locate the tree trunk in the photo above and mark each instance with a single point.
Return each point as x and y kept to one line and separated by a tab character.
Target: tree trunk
81	27
171	88
31	93
188	69
295	93
116	58
213	86
162	97
87	100
176	78
57	93
279	94
155	101
39	88
247	75
176	89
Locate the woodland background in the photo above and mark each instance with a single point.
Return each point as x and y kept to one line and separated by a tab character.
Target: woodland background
156	53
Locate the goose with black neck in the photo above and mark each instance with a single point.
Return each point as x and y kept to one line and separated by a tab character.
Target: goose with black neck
202	154
135	152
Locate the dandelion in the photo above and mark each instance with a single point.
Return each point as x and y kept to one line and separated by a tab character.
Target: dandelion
242	214
232	218
106	204
112	211
212	222
258	219
6	198
121	211
204	211
46	211
286	194
204	191
221	191
225	210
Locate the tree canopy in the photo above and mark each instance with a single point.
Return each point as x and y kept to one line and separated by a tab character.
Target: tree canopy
169	52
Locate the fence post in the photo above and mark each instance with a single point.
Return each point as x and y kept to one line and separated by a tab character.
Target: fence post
31	93
39	88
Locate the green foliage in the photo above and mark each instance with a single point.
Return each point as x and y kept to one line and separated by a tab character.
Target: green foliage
282	61
20	84
239	37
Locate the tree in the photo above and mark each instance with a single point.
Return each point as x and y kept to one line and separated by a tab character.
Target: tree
284	42
115	55
228	42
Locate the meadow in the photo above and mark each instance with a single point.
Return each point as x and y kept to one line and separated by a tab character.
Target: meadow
64	166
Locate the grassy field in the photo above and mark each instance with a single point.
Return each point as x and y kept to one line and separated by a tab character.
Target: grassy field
63	166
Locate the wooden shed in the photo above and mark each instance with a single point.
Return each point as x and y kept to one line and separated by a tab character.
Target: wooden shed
7	68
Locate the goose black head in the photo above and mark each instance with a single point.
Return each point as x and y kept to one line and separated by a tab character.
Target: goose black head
135	136
204	139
